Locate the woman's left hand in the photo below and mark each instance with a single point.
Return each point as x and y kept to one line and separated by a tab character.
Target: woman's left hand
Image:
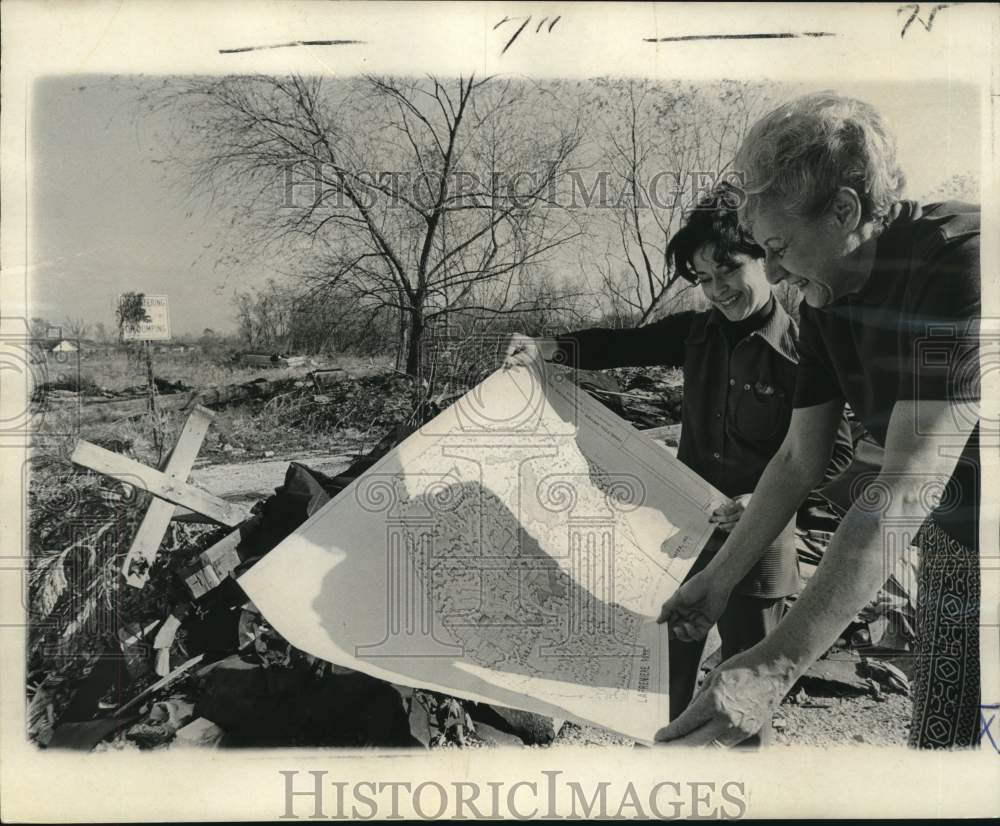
726	516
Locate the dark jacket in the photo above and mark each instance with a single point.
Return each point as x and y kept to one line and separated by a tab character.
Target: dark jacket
737	405
736	408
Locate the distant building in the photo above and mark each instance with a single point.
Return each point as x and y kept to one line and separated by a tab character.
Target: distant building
65	346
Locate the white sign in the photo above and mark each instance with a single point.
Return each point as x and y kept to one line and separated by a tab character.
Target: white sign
158	326
515	550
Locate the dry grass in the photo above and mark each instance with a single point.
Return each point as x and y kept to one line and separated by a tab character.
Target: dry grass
120	371
286	422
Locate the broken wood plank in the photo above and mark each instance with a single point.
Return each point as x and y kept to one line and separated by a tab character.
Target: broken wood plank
160	684
212	566
230	393
153	527
338	375
83	736
126	408
163	642
161	485
261	359
223	394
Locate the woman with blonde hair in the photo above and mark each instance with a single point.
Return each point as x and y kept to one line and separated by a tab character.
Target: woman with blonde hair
889	323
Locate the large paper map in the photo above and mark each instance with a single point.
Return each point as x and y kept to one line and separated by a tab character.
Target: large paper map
515	550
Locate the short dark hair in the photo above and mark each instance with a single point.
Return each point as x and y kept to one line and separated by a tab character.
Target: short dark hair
713	221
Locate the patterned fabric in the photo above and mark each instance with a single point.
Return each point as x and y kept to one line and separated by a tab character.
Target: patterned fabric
946	693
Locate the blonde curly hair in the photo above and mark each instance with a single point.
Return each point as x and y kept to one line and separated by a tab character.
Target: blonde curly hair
798	156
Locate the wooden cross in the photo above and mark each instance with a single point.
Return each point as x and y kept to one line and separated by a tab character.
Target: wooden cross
169	487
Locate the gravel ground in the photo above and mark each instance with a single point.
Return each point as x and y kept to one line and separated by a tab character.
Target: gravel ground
834	721
824	721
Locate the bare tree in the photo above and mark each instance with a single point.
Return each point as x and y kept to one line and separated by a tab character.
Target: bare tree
403	195
264	316
664	147
130	313
75	327
279	317
960	186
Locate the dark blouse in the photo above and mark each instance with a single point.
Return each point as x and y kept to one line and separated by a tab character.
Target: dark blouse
911	333
737	400
736	407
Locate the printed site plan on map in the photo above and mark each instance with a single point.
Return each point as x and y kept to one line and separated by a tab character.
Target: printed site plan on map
515	550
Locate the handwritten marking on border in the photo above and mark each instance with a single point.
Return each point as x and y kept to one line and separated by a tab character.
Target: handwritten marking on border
521	28
748	36
985	725
292	44
914	9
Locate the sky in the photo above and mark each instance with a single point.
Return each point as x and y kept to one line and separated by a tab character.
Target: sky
108	214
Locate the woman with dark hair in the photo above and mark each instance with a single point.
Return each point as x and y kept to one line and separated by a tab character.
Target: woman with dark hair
740	362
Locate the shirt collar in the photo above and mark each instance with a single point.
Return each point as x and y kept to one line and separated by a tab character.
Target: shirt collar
778	330
889	257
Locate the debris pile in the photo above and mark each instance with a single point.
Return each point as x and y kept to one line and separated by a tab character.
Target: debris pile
276	360
648	397
184	658
187	660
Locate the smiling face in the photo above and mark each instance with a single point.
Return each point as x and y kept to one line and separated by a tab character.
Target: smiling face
736	286
815	256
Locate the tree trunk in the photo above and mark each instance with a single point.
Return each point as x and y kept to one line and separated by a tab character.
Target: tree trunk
414	342
401	330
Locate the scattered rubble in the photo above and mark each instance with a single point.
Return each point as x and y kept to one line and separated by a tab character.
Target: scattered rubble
164	720
525	727
648	399
272	360
199	732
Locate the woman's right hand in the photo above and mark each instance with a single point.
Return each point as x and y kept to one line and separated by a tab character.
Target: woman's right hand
695	607
523	351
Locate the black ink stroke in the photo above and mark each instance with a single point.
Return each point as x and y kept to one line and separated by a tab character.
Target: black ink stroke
985	724
516	35
914	9
749	36
521	28
292	44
